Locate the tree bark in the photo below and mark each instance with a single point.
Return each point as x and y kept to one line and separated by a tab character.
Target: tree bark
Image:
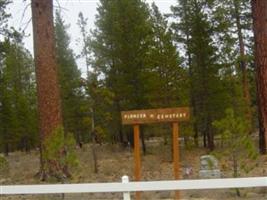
48	95
118	107
262	144
210	135
143	141
189	61
94	155
204	139
259	13
94	139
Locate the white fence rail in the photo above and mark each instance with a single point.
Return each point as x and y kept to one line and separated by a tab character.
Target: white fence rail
126	187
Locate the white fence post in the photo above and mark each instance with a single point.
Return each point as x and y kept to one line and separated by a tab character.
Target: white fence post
126	195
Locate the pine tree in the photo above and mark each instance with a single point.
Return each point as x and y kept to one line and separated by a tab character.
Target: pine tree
182	30
82	23
243	61
239	145
3	29
120	45
48	92
169	86
99	97
196	33
259	26
18	103
4	15
69	81
167	80
233	30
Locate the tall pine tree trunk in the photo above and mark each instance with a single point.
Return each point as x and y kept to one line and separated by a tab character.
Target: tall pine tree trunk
262	143
143	141
94	139
48	94
119	124
204	139
210	135
189	61
259	13
243	63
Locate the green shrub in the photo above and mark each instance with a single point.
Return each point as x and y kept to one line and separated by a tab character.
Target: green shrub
59	153
239	145
4	166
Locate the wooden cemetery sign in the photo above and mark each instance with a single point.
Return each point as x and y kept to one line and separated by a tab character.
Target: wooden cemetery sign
155	116
167	115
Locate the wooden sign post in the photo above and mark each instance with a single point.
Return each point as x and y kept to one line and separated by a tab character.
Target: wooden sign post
171	115
137	157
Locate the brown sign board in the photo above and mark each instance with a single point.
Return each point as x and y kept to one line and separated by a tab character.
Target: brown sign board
155	115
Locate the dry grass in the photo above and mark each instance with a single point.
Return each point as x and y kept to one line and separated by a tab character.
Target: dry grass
114	162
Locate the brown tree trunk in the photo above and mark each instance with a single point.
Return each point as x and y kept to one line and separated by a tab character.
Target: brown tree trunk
259	13
243	63
210	135
189	58
48	94
94	139
262	144
120	136
143	141
94	155
204	139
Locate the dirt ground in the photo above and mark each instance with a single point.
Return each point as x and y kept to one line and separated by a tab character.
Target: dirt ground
114	162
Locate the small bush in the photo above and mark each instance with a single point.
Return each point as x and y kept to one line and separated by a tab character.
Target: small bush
59	153
4	166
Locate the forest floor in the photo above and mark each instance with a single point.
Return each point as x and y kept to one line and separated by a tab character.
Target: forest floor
114	162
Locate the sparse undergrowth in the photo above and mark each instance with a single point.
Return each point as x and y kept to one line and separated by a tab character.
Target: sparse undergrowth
4	166
114	162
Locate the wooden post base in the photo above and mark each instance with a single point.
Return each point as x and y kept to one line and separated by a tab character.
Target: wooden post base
137	159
